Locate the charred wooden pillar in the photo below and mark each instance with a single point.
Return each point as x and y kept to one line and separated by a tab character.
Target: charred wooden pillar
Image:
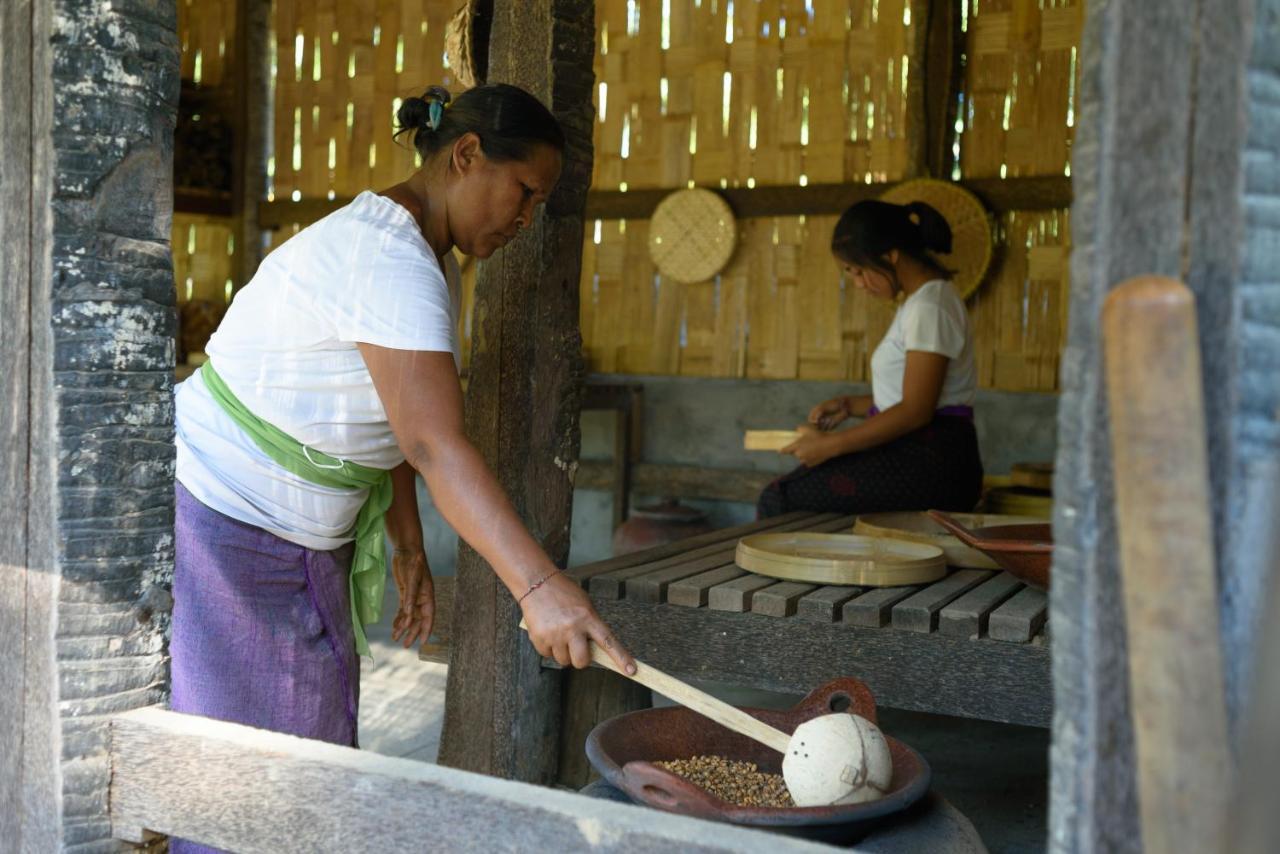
88	97
502	714
1176	171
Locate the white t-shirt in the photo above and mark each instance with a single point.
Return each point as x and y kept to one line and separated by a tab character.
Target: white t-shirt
287	349
931	320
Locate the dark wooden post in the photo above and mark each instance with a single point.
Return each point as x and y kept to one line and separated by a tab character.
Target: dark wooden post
252	111
502	714
1175	162
88	99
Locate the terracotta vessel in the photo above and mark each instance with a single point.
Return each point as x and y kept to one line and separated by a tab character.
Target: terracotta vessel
658	525
623	749
1024	551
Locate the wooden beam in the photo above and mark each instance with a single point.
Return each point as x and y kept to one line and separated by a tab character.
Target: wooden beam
936	673
502	714
999	194
655	479
251	790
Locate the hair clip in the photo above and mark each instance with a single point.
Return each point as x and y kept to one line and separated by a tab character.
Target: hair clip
435	111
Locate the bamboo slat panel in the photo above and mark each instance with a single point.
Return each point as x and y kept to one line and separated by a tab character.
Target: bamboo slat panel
768	92
1017	111
202	255
342	68
206	31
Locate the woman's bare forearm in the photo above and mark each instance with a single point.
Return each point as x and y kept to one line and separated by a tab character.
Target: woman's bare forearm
475	506
404	525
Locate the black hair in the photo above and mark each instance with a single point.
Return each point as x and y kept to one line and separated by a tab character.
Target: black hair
508	120
870	229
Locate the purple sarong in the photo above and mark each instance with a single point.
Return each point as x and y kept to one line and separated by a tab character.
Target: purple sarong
261	630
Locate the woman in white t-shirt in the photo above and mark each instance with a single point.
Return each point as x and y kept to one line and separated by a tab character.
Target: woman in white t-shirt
332	378
917	448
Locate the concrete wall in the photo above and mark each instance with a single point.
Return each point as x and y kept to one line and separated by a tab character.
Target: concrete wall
693	421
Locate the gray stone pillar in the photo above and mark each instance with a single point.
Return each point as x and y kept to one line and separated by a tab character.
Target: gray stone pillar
1175	172
88	94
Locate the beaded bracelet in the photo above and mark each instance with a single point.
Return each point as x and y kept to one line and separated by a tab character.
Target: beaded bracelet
541	581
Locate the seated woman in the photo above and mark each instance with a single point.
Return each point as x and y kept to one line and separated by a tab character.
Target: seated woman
917	448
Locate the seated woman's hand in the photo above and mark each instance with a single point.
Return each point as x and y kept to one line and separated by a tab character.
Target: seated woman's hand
829	414
561	621
813	448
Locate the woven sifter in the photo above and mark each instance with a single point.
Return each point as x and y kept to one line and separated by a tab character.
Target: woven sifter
692	235
971	229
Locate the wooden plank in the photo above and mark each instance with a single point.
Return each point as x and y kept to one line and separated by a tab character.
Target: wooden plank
652	587
736	595
613	585
31	778
583	574
872	609
262	791
1020	618
919	612
826	604
779	600
967	616
1000	195
693	592
906	670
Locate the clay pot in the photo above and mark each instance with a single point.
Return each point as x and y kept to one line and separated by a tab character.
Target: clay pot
657	525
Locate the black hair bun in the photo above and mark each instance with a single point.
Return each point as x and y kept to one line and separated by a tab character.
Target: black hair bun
935	233
413	114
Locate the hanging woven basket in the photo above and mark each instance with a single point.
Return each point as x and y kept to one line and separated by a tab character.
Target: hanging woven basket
692	235
972	233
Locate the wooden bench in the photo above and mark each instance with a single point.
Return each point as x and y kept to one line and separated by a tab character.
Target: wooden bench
974	644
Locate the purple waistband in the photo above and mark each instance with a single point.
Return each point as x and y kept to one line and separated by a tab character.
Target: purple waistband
955	411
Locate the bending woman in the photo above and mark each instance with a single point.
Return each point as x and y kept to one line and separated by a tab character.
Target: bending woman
331	380
917	448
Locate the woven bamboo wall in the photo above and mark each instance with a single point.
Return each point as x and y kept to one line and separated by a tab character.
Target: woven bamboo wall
721	93
1017	118
769	93
201	243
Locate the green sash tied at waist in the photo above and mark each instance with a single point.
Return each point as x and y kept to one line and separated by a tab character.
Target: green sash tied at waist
369	565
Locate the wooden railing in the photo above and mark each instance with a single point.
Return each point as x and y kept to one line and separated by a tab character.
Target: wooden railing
249	790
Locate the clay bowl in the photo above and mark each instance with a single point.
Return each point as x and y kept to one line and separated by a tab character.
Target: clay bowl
623	749
1024	551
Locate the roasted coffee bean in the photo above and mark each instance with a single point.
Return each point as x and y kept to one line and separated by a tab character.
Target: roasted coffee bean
735	782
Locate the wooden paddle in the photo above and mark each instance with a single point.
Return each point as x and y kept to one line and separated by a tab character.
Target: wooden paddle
1177	692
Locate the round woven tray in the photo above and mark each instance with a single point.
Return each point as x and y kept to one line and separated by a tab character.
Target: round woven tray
692	235
840	559
971	228
919	528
